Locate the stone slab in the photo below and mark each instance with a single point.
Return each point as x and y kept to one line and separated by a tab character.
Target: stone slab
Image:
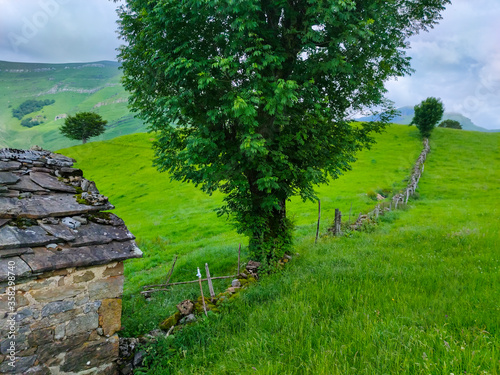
10	194
31	156
3	222
43	260
9	165
13	265
26	184
40	206
8	178
96	234
14	237
110	313
7	253
49	182
91	354
60	231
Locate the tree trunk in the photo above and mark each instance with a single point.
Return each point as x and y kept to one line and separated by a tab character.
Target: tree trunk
84	140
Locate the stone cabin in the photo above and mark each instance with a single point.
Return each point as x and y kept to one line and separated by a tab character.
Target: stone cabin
61	268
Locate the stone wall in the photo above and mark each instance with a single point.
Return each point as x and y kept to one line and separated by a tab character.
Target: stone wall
66	321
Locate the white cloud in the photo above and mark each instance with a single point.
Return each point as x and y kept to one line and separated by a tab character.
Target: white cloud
458	61
58	30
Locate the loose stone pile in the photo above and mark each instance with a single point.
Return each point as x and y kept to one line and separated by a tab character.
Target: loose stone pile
67	260
188	312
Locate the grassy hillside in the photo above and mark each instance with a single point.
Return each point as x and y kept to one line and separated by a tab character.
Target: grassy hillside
418	295
75	88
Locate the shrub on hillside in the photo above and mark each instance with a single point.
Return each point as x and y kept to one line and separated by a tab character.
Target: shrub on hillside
30	106
451	124
29	122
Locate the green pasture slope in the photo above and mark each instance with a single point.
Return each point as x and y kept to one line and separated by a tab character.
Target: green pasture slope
418	294
75	88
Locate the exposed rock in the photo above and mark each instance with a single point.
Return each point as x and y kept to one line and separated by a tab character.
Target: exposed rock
22	365
92	188
83	323
3	222
170	321
85	184
8	178
191	318
186	307
139	358
71	223
111	287
87	276
57	307
253	266
9	165
235	283
91	354
110	316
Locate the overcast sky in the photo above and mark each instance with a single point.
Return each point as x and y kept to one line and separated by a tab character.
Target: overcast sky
458	61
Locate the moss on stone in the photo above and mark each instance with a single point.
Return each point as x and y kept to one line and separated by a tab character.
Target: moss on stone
170	321
81	200
23	222
99	215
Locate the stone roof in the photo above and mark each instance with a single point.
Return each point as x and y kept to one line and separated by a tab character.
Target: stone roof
52	218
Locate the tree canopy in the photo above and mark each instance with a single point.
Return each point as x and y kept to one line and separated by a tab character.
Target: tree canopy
427	115
82	126
255	98
452	124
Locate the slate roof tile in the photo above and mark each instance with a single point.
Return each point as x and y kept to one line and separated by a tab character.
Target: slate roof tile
41	192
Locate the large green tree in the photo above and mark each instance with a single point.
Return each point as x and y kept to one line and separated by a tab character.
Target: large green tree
427	115
83	125
255	97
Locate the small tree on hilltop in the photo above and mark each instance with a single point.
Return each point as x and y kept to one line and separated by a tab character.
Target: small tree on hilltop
427	115
82	126
451	124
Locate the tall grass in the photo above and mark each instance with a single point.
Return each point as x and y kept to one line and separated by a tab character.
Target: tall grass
418	295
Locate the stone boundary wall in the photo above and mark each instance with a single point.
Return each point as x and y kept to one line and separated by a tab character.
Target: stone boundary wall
66	322
399	199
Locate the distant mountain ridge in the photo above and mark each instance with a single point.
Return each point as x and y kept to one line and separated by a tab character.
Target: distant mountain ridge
75	87
407	113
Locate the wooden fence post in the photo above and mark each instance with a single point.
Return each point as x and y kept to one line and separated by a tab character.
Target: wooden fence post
338	221
210	285
239	252
201	290
319	218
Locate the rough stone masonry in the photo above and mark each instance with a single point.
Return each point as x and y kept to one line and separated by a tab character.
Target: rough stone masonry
61	268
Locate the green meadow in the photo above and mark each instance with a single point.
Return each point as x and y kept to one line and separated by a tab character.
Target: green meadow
417	293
